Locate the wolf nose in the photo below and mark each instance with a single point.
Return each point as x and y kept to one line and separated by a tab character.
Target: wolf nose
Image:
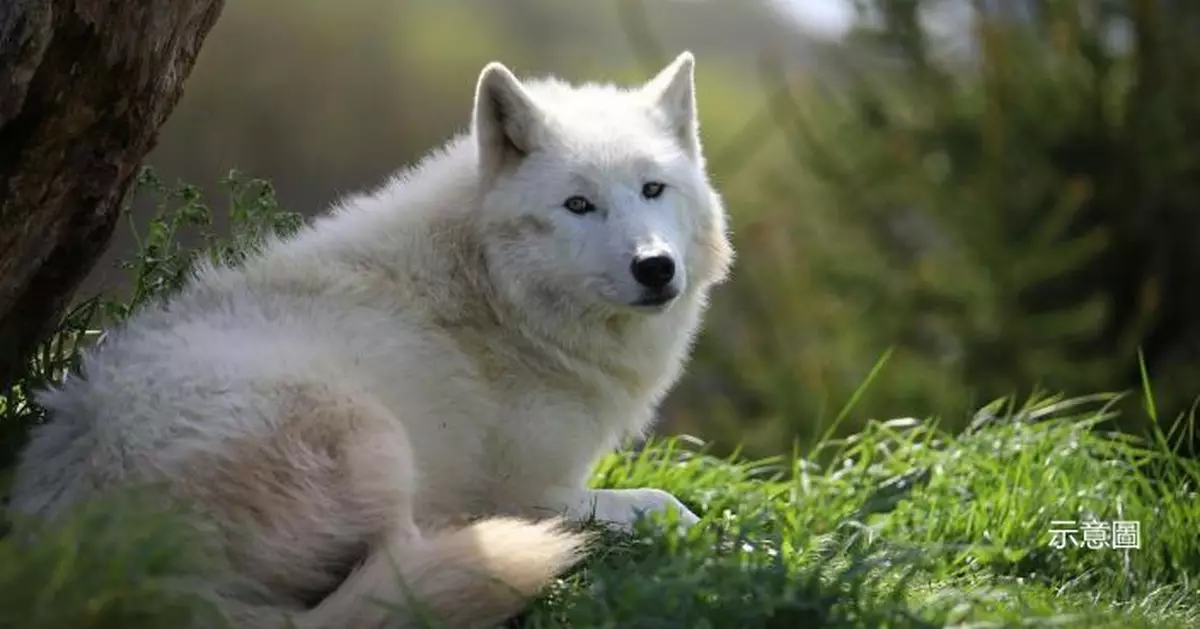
653	272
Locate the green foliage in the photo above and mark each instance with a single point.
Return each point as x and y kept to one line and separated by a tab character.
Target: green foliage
163	262
119	563
1013	217
158	268
906	526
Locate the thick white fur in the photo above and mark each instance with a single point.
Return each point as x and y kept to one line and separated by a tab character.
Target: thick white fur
412	385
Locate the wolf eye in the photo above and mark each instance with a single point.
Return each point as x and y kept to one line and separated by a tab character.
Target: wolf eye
579	205
653	189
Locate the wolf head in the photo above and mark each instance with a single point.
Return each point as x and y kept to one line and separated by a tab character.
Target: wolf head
595	197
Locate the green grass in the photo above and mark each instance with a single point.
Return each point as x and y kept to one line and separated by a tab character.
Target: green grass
116	564
906	526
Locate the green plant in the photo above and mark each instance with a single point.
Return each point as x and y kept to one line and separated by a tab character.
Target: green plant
157	269
1016	216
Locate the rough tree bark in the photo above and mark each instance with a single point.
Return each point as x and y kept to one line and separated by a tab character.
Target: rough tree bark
84	87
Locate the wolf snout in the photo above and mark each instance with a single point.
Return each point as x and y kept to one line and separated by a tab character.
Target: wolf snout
654	272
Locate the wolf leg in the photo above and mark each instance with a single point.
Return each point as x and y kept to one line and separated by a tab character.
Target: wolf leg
317	518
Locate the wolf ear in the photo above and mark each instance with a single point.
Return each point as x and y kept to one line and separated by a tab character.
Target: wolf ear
505	117
673	94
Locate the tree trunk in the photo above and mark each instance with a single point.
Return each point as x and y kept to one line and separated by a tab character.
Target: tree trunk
84	87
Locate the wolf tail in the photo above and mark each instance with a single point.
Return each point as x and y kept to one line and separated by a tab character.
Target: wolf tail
477	576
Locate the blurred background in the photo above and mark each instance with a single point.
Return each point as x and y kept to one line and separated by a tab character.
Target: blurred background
935	203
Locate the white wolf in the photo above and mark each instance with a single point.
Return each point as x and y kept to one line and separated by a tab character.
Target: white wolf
419	382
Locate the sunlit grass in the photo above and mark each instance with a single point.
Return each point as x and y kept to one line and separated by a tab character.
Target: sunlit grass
907	526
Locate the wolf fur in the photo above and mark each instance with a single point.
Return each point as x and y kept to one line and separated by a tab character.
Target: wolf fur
418	383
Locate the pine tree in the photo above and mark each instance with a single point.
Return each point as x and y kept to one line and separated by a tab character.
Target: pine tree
1051	162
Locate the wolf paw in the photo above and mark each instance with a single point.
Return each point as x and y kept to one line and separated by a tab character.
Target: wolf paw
643	502
621	509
